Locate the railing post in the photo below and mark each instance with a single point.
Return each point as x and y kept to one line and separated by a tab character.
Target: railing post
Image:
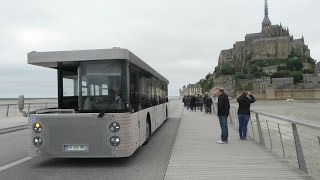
29	108
235	117
7	114
260	131
46	105
213	109
284	154
231	118
252	128
300	156
319	140
269	135
15	109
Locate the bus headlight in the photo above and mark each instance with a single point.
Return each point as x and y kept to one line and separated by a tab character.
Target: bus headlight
114	127
37	141
37	127
114	140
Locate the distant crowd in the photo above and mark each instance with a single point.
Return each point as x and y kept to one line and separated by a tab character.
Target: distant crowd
198	102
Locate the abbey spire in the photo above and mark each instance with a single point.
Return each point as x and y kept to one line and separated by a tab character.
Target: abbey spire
266	23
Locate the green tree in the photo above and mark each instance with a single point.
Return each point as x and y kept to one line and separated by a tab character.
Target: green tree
294	65
259	74
296	53
308	71
227	69
253	69
281	74
240	76
208	76
297	76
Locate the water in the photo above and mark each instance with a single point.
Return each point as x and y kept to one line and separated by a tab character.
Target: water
300	109
35	100
29	105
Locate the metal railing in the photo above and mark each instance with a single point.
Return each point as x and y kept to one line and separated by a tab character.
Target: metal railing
296	140
11	110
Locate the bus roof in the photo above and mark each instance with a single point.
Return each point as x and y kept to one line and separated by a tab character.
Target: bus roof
53	58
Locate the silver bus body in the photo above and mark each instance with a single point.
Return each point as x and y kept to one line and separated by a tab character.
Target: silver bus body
75	133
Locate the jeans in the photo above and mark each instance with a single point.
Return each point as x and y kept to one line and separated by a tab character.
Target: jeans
224	128
243	123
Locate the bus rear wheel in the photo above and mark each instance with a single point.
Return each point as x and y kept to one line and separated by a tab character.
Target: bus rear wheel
147	133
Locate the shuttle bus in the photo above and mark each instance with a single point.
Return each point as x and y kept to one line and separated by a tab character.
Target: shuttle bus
109	103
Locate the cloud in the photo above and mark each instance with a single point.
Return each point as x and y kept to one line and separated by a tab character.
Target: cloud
180	39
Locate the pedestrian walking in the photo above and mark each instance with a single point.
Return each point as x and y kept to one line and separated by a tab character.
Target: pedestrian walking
208	103
201	102
193	103
244	100
223	113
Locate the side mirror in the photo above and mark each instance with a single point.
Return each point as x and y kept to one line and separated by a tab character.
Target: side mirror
21	102
21	105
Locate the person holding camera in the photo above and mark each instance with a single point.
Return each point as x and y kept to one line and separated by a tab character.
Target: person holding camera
244	100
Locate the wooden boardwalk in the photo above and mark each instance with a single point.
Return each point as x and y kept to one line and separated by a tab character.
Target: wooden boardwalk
196	155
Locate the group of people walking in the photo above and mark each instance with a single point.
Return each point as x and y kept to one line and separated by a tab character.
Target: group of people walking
194	102
244	100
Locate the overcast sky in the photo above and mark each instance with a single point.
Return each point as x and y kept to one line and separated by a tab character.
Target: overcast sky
181	39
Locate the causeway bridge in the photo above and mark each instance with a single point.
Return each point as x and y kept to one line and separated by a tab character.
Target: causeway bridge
183	148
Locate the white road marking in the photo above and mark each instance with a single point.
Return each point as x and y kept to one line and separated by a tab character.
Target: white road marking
15	163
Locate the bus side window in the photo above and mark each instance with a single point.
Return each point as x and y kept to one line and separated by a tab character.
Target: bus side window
134	92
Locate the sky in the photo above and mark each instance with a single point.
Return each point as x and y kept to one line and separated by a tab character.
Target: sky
181	39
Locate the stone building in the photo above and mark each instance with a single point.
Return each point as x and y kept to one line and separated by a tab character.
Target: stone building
191	89
260	85
311	81
272	42
282	83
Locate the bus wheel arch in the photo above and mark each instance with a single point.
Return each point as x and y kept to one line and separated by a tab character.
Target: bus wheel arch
166	112
148	129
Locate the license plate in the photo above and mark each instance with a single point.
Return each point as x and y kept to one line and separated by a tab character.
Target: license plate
76	147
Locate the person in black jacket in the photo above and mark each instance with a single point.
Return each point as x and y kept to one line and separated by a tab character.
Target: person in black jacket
223	113
244	101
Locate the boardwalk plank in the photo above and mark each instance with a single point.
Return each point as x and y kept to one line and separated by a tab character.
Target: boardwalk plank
196	155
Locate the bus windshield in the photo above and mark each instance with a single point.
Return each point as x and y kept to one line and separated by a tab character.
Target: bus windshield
101	85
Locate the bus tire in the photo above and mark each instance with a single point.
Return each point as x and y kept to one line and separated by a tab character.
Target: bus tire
148	130
166	112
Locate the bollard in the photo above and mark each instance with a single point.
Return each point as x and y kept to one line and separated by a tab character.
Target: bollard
300	156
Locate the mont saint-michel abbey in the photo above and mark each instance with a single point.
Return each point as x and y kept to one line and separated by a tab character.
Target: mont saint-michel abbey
270	63
273	42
